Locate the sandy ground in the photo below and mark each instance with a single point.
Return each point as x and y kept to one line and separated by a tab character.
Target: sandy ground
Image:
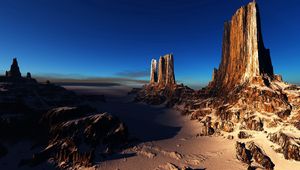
166	138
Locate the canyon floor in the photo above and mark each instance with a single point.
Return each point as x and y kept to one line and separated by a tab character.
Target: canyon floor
165	139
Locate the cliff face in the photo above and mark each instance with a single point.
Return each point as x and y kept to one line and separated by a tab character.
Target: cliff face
244	56
164	71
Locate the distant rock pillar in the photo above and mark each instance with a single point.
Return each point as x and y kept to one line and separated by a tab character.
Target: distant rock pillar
14	70
161	71
170	76
28	76
166	74
153	71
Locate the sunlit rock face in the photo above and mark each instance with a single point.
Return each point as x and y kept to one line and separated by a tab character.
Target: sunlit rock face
166	74
164	88
170	77
244	56
153	71
244	99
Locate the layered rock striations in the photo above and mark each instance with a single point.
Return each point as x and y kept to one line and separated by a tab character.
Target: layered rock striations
244	56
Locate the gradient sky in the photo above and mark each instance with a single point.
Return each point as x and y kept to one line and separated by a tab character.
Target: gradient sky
118	38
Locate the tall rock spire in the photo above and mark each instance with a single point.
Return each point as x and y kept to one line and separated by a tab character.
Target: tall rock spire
153	71
169	63
14	70
244	56
161	71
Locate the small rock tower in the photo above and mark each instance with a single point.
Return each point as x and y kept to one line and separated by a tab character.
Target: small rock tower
162	73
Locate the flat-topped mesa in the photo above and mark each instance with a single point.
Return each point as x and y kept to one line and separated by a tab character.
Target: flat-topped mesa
14	70
162	73
244	56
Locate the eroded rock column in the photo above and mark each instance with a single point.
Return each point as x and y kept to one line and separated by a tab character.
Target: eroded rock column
244	56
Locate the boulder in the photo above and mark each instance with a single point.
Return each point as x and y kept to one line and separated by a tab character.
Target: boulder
251	152
243	135
260	157
253	123
289	145
242	153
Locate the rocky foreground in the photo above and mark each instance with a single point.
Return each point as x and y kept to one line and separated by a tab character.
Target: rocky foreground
245	99
62	130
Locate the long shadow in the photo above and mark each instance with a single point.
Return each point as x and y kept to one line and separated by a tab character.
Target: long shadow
141	120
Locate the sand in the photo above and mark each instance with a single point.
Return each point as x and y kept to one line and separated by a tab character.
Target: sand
169	140
165	139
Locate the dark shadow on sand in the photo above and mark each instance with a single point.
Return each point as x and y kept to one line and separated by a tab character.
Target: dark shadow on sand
141	119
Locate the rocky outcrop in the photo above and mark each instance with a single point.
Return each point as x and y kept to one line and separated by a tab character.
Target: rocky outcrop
164	71
64	132
244	56
14	75
260	157
206	128
62	114
244	93
242	153
77	136
243	135
28	75
289	145
250	151
162	86
170	95
253	123
14	70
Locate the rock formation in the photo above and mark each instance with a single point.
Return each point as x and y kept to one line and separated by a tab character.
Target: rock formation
28	75
53	119
14	70
289	146
153	71
246	153
163	75
77	136
244	56
244	95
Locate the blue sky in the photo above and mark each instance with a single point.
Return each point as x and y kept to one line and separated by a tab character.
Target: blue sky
118	38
